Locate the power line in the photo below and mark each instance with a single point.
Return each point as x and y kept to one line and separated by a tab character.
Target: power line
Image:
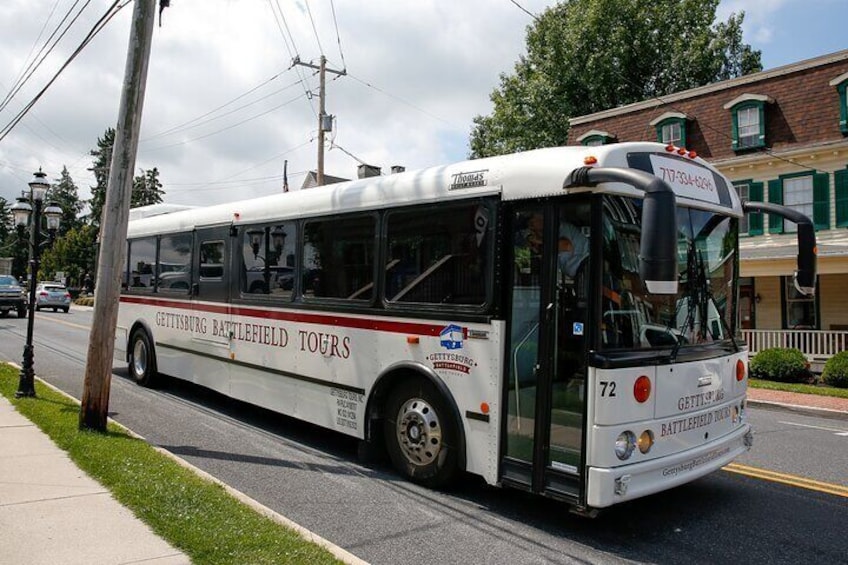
293	53
39	58
98	26
399	99
242	122
338	37
314	29
199	121
525	10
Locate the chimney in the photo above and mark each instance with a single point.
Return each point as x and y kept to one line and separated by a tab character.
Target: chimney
398	169
364	171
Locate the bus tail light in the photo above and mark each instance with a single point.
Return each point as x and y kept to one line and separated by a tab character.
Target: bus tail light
740	370
646	441
642	389
625	444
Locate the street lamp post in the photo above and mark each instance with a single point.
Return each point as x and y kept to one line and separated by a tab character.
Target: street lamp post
21	211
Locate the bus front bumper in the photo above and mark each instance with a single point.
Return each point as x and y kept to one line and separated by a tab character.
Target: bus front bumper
611	486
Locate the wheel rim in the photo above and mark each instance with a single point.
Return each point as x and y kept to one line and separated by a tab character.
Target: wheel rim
419	432
139	357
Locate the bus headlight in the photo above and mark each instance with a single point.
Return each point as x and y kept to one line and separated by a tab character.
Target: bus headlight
625	444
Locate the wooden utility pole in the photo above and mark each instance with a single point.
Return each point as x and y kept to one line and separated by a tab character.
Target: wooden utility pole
322	74
113	223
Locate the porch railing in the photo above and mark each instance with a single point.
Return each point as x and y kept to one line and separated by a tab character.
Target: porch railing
817	345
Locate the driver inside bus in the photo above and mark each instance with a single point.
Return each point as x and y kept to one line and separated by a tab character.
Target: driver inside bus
573	248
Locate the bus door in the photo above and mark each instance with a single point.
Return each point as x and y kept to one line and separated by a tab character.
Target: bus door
545	371
210	290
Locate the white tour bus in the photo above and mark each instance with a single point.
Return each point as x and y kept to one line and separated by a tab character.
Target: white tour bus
562	321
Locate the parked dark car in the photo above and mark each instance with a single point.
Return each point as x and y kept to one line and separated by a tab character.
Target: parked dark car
12	296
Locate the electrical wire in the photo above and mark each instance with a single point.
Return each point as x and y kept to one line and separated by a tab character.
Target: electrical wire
314	29
237	124
199	121
399	99
338	37
98	26
525	10
39	58
34	43
293	53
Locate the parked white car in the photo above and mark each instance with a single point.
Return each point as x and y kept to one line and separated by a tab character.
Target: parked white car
52	295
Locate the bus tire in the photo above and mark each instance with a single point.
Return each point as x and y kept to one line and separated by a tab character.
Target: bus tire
142	362
420	432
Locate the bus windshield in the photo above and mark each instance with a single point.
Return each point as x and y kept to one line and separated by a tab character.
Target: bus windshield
702	310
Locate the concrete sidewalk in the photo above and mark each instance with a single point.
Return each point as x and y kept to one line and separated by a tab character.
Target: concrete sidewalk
51	512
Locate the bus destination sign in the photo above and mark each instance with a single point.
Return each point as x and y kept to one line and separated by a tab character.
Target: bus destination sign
688	180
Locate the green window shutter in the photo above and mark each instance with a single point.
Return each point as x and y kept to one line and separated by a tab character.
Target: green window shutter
755	219
821	201
659	132
840	183
775	193
762	110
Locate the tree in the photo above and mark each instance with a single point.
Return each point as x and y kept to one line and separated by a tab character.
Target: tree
584	56
102	162
75	254
13	241
64	192
146	188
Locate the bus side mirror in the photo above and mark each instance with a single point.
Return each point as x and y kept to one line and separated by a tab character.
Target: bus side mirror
658	246
805	276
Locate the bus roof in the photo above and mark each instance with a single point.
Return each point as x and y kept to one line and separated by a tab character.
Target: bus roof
530	174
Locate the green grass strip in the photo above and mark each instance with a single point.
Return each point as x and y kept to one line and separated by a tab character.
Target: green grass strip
193	514
799	388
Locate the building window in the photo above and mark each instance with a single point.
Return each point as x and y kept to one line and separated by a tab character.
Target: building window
749	127
748	121
800	309
841	84
595	137
752	222
798	195
808	193
672	133
671	128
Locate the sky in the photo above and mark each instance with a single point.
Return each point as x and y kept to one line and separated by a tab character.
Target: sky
225	109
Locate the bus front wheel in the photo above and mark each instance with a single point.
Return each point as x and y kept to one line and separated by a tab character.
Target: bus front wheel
421	435
142	363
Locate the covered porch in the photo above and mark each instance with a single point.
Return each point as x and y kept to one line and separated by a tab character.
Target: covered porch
773	314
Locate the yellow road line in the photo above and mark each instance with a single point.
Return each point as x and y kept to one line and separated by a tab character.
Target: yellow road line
63	322
792	480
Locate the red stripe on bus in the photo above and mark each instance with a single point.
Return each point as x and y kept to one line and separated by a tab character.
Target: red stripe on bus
300	317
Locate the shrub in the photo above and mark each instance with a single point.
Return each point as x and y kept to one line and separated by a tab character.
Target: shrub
835	371
782	365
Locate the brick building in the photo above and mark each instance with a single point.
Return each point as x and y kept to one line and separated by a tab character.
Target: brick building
781	136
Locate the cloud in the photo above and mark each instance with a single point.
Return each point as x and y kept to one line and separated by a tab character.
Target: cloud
418	73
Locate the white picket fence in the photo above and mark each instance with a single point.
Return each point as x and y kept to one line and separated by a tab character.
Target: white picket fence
817	345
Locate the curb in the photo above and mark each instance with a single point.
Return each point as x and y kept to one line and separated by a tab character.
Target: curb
799	409
339	553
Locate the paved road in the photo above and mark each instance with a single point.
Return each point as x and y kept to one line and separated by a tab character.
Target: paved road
314	478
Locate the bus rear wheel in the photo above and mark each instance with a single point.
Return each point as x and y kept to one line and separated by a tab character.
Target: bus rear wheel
421	435
142	362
